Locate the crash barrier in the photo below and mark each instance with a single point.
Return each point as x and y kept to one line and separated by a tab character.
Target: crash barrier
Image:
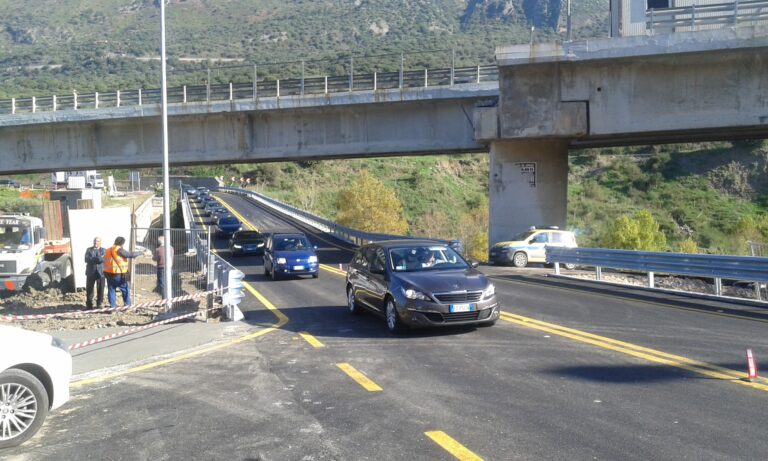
699	17
353	236
188	273
143	305
717	267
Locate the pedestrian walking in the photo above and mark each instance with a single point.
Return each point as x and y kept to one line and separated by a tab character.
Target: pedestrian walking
116	271
94	274
159	258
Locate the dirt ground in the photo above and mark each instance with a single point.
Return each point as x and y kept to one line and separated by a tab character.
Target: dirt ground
52	300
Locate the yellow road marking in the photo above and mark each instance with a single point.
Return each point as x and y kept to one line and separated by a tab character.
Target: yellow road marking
282	319
311	339
360	378
652	355
236	214
453	447
333	270
652	303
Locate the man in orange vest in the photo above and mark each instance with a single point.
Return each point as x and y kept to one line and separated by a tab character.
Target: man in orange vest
116	270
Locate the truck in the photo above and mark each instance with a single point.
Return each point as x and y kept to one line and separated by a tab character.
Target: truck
78	179
28	259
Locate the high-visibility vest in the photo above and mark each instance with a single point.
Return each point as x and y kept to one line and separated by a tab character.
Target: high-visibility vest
113	262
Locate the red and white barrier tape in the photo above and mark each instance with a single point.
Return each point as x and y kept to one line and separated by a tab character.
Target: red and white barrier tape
144	305
118	334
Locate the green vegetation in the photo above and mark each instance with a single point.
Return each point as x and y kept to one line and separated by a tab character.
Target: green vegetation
370	206
55	46
638	232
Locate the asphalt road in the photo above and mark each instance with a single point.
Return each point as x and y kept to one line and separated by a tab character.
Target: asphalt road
571	372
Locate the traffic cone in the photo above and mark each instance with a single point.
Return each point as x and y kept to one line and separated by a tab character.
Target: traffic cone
751	366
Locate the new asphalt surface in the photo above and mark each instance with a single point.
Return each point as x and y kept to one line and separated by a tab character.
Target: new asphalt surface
572	371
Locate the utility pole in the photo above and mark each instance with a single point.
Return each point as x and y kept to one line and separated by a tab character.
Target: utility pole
166	181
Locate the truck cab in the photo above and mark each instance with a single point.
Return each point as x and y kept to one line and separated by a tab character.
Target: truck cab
26	257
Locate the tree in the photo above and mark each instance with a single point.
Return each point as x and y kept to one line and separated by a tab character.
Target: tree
637	232
368	205
473	231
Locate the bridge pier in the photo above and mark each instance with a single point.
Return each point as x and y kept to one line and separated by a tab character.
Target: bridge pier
528	186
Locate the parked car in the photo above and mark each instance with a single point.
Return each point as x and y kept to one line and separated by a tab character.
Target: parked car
11	183
530	246
289	254
247	241
419	283
35	369
227	226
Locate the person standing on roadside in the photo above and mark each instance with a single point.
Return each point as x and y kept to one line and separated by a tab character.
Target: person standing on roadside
94	273
159	258
116	270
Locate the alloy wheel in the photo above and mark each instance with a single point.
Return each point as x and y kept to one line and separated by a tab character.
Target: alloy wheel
18	408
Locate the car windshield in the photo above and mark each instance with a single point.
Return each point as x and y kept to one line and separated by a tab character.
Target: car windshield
425	258
14	236
293	243
522	236
229	221
247	235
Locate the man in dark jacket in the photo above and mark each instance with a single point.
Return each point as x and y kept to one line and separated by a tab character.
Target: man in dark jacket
94	273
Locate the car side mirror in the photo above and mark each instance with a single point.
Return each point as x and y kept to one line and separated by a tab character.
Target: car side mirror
533	240
473	263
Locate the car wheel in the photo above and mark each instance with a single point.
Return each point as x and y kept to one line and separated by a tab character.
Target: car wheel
394	324
569	266
23	407
315	275
520	259
352	305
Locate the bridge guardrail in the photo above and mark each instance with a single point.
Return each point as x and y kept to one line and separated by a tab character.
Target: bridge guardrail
353	236
253	90
717	267
705	16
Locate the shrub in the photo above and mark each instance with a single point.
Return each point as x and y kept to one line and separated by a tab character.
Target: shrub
689	246
637	232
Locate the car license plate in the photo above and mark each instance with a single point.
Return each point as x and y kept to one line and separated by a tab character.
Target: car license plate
461	307
298	268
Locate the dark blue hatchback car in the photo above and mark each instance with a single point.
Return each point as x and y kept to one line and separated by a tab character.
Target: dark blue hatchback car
289	254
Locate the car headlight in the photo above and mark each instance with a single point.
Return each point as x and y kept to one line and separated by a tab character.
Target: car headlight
414	294
280	260
313	259
490	291
237	246
260	244
56	342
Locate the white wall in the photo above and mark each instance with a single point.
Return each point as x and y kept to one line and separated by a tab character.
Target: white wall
84	225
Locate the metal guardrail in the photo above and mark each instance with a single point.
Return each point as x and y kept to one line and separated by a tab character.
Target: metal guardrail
255	89
704	16
717	267
353	236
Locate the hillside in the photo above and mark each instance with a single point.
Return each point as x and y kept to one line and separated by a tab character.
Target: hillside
56	45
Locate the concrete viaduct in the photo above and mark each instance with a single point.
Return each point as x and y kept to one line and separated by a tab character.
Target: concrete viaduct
550	98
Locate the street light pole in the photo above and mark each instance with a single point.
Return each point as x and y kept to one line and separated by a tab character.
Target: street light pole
167	258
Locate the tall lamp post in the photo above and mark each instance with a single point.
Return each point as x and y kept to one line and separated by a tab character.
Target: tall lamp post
166	181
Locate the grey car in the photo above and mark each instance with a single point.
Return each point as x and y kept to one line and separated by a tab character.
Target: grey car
419	283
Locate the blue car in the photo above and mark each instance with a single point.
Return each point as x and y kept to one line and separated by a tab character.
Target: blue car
289	254
227	226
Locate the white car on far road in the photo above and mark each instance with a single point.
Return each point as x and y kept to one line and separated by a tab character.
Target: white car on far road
35	369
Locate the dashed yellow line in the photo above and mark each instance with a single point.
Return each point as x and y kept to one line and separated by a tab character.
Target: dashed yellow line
282	319
360	378
652	355
311	340
453	447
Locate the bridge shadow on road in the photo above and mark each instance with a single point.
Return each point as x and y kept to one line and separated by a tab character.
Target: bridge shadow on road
636	374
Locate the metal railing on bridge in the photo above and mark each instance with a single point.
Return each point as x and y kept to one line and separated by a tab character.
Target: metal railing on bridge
269	80
700	17
353	236
716	267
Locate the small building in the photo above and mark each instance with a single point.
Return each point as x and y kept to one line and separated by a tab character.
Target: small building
649	17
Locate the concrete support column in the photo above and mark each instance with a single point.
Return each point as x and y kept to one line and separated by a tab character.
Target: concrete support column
528	186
